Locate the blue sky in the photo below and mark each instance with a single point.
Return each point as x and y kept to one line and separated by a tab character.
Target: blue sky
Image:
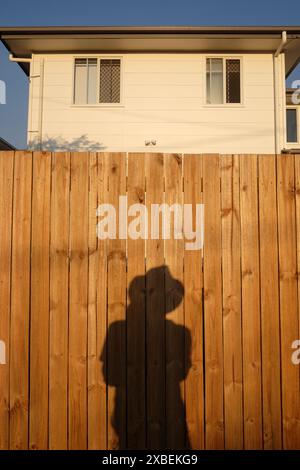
13	116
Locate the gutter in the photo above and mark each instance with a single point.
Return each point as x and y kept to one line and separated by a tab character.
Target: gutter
19	59
41	91
24	67
276	54
282	44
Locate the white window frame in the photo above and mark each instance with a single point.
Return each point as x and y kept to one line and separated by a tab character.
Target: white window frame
297	108
224	104
98	104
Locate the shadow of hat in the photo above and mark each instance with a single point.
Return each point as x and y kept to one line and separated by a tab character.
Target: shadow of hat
159	281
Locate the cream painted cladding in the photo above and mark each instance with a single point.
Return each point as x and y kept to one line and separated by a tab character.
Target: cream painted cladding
163	99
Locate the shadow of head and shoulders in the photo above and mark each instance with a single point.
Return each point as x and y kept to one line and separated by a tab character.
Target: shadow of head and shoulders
152	297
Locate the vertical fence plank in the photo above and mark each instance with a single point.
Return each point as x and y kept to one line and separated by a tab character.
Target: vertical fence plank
102	387
116	301
78	301
270	330
94	429
6	193
155	312
193	283
20	301
232	315
288	300
213	303
297	193
136	301
176	334
39	318
59	301
251	303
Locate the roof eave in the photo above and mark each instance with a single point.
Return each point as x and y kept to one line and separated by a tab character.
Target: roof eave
122	33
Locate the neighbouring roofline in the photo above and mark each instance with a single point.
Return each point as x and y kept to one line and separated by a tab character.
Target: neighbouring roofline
4	145
24	41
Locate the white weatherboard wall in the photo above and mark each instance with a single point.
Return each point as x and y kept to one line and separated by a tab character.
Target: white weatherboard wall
163	100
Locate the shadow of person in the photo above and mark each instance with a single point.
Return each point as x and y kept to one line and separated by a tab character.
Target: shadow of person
145	359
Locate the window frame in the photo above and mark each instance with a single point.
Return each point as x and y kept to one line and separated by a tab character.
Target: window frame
296	107
224	57
98	104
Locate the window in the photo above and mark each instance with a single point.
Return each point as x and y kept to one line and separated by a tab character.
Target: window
223	81
97	81
291	125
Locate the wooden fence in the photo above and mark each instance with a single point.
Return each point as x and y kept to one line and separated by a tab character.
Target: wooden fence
143	344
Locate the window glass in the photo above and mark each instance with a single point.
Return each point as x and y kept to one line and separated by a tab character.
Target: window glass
214	81
291	125
233	81
92	81
110	80
80	81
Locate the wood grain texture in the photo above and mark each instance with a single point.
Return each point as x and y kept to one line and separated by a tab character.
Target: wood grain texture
297	195
155	312
78	314
59	302
289	319
6	198
232	311
134	344
116	314
20	302
176	334
193	314
39	318
270	322
251	303
94	392
101	410
214	412
136	312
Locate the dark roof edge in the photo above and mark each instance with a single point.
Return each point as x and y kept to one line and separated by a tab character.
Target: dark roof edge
7	32
10	146
24	66
147	29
